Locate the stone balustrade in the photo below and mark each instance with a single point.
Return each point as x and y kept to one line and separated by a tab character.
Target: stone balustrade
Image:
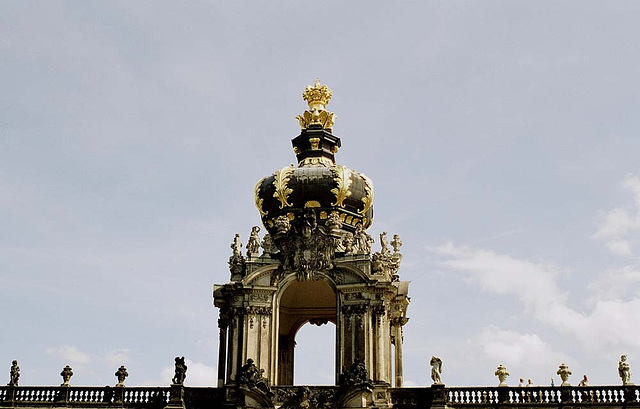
319	397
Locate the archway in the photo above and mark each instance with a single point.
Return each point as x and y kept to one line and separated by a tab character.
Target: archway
301	302
315	351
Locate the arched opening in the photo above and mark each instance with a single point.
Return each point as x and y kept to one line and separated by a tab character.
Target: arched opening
301	302
315	355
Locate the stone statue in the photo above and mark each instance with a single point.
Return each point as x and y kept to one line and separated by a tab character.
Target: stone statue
564	372
584	381
180	370
333	222
253	245
436	370
363	240
624	371
396	243
14	374
502	374
347	242
267	245
236	245
252	376
384	243
66	374
357	374
308	222
121	374
282	224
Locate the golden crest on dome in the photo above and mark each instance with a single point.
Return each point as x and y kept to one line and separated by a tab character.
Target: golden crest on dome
317	96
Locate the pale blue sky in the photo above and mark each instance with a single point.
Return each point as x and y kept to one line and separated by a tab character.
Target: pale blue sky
501	137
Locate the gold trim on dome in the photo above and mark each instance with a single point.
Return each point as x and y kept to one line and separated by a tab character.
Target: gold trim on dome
280	182
343	180
258	199
315	143
368	194
321	161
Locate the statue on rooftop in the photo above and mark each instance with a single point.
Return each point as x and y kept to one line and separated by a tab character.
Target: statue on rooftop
14	374
253	245
384	243
66	374
267	244
121	374
180	371
624	371
363	240
436	370
236	245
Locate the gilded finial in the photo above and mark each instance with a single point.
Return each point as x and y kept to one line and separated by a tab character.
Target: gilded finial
317	96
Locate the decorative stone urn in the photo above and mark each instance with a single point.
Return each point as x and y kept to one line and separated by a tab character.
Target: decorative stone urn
502	374
564	373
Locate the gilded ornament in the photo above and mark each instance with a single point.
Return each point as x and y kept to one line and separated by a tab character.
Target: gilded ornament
321	161
325	118
258	199
343	180
368	194
315	143
317	96
280	183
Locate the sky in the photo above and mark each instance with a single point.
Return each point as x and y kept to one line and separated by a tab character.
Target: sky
501	137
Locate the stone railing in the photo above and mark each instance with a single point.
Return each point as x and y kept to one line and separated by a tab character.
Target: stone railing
320	397
543	395
82	396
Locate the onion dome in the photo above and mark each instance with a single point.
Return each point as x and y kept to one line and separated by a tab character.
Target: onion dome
317	182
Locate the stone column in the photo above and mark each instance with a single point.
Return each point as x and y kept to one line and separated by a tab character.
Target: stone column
398	354
222	356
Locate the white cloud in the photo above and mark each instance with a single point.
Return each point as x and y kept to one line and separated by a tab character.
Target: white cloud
611	324
618	224
616	284
117	357
198	374
71	355
524	355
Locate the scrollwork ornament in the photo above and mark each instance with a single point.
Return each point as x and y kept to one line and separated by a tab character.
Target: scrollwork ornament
258	199
367	200
280	182
342	177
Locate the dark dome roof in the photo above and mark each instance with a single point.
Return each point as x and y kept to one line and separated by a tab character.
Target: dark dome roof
318	182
